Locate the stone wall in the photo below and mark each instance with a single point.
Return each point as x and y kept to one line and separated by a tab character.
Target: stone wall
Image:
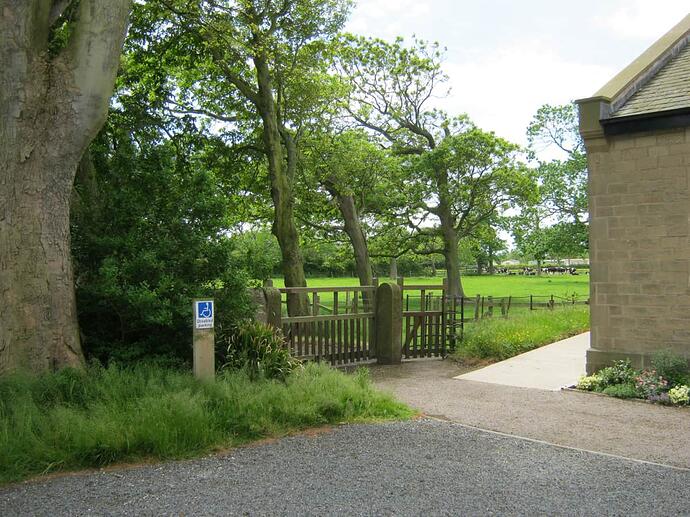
639	246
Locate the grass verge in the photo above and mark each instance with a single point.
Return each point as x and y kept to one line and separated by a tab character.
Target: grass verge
497	339
81	419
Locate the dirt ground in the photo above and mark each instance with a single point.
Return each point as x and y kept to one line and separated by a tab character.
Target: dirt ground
632	429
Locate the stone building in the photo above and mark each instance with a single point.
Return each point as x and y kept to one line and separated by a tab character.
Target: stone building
637	134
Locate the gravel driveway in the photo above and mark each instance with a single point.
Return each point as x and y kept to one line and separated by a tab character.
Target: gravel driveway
423	467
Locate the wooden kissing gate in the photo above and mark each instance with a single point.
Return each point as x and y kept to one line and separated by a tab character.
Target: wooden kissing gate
344	324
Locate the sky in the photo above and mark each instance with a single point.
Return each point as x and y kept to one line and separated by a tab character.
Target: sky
506	58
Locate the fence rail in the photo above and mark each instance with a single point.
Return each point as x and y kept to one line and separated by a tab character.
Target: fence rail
341	325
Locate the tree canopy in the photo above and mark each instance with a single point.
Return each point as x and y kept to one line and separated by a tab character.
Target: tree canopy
245	139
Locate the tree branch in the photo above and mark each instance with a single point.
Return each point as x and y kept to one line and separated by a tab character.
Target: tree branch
188	110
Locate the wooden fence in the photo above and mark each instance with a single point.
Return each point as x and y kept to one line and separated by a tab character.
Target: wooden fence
340	328
341	325
425	320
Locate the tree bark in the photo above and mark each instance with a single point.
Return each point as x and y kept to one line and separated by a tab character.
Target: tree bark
449	236
284	227
353	230
394	268
50	109
452	261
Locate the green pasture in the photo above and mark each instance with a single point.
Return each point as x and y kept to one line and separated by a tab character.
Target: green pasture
485	285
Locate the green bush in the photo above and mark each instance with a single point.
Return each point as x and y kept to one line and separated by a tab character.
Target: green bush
80	419
149	234
621	391
497	339
589	383
621	372
260	350
672	367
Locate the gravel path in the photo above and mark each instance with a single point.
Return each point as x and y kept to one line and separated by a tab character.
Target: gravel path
584	420
424	467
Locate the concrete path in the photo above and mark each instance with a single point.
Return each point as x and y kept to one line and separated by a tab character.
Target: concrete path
550	367
586	421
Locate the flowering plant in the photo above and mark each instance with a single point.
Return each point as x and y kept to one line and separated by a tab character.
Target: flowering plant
588	383
679	394
650	384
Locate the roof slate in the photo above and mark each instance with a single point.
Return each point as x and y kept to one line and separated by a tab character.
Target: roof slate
668	90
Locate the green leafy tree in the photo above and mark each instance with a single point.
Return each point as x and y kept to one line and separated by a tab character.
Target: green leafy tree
256	252
563	181
259	66
355	181
554	224
458	175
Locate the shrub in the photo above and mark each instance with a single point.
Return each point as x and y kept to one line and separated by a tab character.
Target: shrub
671	367
650	384
621	391
621	372
589	383
679	395
260	350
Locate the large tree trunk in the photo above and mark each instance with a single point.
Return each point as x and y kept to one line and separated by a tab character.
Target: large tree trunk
37	308
284	227
50	109
353	229
450	240
393	274
452	261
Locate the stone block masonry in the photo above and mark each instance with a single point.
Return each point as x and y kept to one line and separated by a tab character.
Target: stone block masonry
640	245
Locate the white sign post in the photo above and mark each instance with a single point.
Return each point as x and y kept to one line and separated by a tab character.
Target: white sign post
204	339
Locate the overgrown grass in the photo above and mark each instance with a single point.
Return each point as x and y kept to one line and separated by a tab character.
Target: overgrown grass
74	419
497	339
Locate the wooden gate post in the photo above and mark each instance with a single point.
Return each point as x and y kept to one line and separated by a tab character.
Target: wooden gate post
273	307
388	323
266	301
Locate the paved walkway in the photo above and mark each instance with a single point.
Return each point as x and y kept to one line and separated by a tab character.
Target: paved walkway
592	422
550	367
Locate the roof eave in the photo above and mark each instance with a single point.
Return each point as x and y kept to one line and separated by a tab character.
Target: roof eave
619	89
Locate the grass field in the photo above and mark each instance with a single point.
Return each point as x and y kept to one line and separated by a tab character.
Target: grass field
486	285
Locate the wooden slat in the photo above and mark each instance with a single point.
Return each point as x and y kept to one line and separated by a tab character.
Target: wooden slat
358	339
433	287
420	313
331	332
327	317
339	341
290	290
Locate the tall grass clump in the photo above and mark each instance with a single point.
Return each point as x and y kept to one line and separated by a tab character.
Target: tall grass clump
80	419
496	339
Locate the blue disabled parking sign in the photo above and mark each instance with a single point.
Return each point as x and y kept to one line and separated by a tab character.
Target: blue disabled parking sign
203	314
